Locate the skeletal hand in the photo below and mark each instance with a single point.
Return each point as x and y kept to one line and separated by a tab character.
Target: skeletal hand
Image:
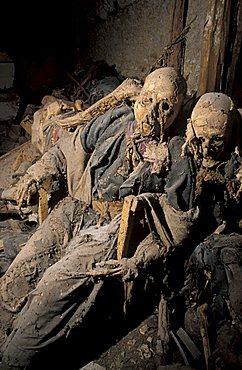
26	188
126	268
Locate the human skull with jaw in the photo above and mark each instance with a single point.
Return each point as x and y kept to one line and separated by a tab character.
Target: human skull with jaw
209	131
159	102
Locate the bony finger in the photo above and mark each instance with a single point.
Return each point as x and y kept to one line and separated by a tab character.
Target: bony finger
114	271
96	273
21	191
118	272
105	272
20	205
21	197
28	198
107	263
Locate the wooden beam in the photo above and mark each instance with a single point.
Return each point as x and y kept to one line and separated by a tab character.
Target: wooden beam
235	49
178	22
126	230
43	200
214	44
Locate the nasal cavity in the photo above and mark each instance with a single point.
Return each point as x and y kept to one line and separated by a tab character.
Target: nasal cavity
165	106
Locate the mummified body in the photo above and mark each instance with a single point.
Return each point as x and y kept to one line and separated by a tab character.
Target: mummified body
66	291
104	141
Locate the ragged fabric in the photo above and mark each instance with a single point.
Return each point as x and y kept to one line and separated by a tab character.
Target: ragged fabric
213	191
106	135
180	181
46	246
62	298
13	234
213	278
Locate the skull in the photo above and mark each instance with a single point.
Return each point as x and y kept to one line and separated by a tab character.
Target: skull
210	129
159	102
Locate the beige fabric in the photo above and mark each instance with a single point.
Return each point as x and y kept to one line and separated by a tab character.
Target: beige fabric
67	157
45	247
76	160
66	278
83	189
180	223
172	226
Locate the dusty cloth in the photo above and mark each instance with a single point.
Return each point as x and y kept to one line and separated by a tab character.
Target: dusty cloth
45	130
180	181
213	278
173	226
142	180
49	306
66	293
219	261
77	250
56	312
174	222
66	158
48	243
107	135
46	246
14	234
102	141
95	163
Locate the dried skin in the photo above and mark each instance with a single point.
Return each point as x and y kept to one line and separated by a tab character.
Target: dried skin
160	101
209	130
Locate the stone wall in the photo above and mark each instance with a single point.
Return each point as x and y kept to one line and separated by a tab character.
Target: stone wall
132	34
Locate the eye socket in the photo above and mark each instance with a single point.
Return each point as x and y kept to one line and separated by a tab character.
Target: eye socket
214	140
165	106
217	139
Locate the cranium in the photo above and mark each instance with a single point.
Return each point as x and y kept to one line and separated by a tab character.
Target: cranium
210	129
159	101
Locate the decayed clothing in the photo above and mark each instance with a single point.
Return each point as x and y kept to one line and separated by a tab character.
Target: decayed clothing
49	242
176	216
68	161
213	278
50	311
66	292
103	141
103	138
